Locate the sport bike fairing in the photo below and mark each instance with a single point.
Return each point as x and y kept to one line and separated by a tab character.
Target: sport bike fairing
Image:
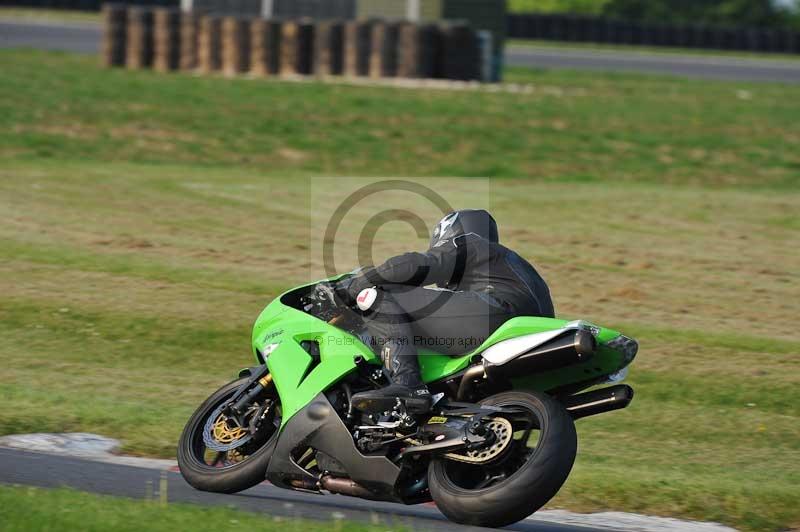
498	442
283	331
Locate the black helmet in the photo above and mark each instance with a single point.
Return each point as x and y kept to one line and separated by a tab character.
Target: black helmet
463	222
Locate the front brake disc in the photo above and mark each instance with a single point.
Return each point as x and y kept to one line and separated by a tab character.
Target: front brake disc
217	436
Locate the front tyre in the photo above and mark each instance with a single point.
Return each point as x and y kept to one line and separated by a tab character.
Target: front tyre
237	469
522	479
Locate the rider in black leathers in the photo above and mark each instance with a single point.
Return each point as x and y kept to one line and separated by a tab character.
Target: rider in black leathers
480	284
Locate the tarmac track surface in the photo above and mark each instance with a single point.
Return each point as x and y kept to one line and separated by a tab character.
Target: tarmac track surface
65	36
691	66
84	37
51	471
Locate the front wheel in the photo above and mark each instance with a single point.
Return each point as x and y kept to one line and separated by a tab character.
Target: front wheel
212	456
515	483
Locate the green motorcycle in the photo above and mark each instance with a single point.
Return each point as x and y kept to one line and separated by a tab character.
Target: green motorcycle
498	444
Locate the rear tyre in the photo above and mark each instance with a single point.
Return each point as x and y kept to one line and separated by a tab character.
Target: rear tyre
228	472
523	479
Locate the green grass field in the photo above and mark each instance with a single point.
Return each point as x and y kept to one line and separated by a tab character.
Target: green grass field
557	6
24	509
149	218
46	15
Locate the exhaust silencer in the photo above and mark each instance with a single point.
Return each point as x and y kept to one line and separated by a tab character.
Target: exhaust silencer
599	401
571	348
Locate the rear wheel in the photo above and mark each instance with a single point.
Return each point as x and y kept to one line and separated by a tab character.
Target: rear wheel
512	484
212	456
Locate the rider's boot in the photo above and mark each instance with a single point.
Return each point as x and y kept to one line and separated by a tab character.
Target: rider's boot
406	386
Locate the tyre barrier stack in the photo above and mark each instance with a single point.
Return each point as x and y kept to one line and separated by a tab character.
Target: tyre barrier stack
328	48
383	50
167	39
115	21
265	38
235	45
189	35
296	48
459	58
139	35
417	48
356	48
209	44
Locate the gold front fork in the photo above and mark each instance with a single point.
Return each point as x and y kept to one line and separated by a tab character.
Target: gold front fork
266	380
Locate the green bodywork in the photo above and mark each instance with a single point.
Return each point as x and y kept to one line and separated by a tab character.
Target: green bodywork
280	328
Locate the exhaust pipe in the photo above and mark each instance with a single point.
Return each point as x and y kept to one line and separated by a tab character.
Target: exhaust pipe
345	486
305	485
468	381
598	401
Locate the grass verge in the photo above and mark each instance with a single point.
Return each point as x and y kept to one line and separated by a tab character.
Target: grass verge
573	126
48	15
148	219
557	6
27	509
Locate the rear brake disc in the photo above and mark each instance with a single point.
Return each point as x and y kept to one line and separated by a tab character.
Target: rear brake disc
503	431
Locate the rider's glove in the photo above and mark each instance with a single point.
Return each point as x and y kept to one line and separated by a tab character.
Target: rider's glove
344	290
358	292
349	289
